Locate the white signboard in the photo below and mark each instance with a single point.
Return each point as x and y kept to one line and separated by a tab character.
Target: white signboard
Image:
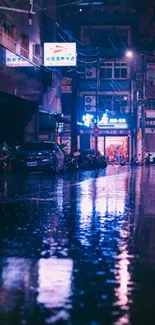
112	123
13	60
59	54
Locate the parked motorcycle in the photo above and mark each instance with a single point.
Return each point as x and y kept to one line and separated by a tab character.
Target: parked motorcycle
134	161
122	162
91	160
71	162
148	160
2	166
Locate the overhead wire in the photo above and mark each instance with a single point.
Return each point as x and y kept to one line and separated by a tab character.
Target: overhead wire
80	52
61	6
77	41
115	85
113	81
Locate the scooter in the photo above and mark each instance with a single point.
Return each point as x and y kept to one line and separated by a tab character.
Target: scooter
122	162
134	161
148	161
1	167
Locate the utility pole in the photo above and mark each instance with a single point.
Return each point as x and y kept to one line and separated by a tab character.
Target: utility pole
74	113
143	109
97	103
141	115
31	10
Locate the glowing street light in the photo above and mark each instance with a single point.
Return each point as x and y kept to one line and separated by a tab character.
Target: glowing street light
129	54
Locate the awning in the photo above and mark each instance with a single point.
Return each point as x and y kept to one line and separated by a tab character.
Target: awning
48	120
61	119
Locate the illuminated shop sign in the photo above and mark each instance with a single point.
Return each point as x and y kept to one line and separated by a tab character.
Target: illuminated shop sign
13	60
105	122
112	123
59	54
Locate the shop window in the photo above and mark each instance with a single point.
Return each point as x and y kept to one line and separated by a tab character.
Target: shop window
116	148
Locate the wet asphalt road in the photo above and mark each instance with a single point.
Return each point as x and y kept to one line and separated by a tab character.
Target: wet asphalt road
78	249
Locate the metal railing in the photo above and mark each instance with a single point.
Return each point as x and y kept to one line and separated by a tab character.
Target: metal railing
36	60
10	43
7	40
24	52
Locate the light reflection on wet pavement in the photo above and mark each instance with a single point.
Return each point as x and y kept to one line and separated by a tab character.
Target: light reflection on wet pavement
78	249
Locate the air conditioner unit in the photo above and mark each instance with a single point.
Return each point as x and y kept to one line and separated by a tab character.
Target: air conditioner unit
125	109
90	103
90	73
139	76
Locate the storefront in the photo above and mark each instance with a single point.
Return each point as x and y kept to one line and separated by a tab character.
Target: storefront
113	139
54	127
115	147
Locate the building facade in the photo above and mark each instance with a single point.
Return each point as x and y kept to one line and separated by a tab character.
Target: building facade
106	112
143	62
29	92
113	88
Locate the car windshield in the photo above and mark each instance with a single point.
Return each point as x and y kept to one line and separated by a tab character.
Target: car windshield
40	146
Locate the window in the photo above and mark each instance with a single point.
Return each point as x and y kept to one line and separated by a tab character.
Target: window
150	104
24	43
113	71
120	71
151	75
106	71
107	38
115	103
120	103
36	49
105	103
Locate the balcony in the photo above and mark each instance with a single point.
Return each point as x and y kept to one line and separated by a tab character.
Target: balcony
36	60
6	40
24	52
17	78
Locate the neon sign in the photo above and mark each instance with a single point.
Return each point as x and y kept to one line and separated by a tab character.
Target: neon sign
87	119
105	122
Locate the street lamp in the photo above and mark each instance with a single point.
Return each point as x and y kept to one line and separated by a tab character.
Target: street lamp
141	108
129	54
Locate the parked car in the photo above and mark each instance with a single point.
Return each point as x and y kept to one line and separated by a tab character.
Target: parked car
38	155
